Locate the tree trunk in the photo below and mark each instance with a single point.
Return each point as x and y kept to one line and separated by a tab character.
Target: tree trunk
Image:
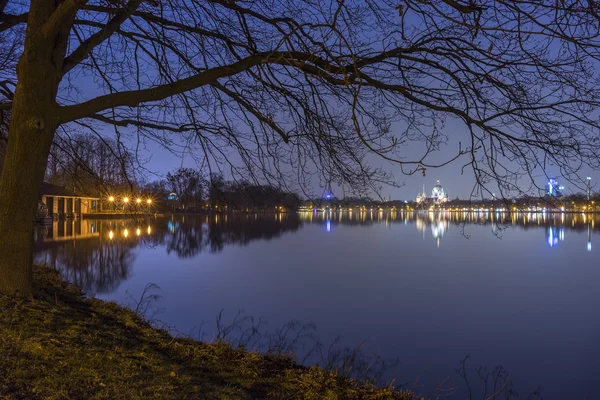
34	119
20	182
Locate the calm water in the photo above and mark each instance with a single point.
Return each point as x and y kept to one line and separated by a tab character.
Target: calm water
521	291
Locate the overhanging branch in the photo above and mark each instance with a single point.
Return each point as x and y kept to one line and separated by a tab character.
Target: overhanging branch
135	97
86	47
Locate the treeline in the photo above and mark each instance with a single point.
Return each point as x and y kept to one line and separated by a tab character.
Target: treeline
195	192
90	164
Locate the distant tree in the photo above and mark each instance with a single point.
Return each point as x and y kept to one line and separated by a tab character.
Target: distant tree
90	164
159	189
187	184
216	189
300	90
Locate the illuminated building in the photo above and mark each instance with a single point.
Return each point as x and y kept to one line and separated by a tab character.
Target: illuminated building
438	195
554	189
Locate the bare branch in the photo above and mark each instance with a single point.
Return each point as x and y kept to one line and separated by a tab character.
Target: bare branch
86	47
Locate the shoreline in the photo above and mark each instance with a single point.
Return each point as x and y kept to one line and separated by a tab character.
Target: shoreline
62	344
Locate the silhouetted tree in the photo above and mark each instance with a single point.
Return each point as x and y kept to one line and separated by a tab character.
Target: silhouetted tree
313	85
88	164
187	184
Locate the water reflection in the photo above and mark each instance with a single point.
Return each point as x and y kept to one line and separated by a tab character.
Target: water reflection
364	274
436	224
97	254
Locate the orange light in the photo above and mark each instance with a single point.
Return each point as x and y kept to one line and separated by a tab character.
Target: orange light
111	198
149	201
138	200
125	199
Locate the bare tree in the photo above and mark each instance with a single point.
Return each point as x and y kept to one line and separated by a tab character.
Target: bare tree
88	164
301	90
187	184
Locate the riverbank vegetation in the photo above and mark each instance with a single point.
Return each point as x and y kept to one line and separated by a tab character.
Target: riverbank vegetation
61	345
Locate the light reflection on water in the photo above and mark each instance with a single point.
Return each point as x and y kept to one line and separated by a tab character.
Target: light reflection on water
515	289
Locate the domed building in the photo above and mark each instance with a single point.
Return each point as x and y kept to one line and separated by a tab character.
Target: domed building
438	194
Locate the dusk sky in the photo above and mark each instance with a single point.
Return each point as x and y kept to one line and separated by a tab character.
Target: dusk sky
456	178
457	181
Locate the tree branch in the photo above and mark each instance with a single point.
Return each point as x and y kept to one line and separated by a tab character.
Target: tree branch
465	9
268	121
63	13
8	20
86	47
133	98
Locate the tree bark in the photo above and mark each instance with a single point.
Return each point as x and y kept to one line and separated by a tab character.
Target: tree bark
34	119
22	176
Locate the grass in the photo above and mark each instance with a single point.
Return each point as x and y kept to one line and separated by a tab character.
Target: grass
61	345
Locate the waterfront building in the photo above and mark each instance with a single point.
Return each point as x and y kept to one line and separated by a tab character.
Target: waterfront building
62	202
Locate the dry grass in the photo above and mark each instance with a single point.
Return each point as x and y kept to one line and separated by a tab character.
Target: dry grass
61	345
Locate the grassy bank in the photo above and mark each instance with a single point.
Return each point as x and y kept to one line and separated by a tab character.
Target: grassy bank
62	345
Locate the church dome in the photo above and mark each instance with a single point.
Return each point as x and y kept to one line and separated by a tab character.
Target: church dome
438	191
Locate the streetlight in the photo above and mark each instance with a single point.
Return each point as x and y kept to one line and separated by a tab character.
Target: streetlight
149	201
125	201
138	200
111	199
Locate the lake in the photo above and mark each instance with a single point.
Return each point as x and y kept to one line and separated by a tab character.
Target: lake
425	289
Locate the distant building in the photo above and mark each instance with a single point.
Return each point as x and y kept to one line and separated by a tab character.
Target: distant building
62	202
554	189
422	196
438	195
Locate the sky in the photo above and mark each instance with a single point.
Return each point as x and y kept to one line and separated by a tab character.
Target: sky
458	182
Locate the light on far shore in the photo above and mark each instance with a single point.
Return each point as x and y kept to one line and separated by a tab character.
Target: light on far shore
111	198
125	199
138	200
149	201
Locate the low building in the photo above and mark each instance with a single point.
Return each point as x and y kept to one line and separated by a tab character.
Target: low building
64	203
